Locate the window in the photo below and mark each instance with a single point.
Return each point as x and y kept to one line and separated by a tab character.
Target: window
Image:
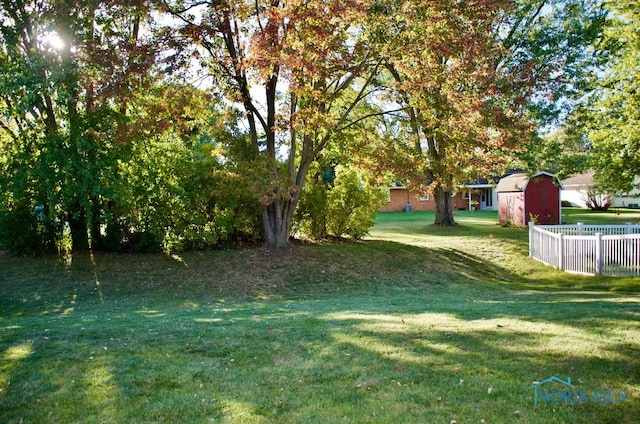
424	197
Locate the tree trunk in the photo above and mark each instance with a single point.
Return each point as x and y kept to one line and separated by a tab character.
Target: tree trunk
94	223
444	210
79	234
277	216
276	225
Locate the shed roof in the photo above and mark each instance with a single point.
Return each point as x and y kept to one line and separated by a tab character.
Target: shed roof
513	182
518	182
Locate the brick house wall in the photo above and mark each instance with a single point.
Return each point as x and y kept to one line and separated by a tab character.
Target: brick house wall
399	196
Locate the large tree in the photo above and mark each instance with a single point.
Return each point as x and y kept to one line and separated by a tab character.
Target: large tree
613	114
559	44
476	78
291	67
67	73
550	44
460	110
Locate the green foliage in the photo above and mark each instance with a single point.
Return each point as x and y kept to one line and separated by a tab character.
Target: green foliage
28	224
352	204
170	185
311	214
26	230
612	120
345	206
182	198
94	129
64	107
563	153
217	206
553	52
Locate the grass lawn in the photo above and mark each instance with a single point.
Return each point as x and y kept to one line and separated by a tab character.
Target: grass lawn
413	325
617	216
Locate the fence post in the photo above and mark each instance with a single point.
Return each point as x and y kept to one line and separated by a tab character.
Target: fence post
629	229
599	261
531	241
561	252
580	228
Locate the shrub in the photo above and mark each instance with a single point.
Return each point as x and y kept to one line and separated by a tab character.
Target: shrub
26	232
186	200
598	199
345	206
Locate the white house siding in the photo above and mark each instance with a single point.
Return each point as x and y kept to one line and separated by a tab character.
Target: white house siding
575	197
576	187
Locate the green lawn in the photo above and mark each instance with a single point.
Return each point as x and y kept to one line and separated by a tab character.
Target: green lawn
413	325
617	216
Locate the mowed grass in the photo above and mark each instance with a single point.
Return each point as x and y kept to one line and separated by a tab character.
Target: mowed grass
615	216
413	325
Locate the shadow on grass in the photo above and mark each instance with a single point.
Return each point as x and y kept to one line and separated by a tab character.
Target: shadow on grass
48	287
415	356
355	332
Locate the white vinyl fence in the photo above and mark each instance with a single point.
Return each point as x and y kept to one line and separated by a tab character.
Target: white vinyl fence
588	249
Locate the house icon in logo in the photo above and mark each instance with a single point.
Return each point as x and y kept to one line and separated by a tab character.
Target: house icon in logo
548	380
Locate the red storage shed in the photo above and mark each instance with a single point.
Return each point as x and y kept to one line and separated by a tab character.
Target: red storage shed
523	198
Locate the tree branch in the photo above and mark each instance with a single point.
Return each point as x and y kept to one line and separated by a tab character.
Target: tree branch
178	12
371	115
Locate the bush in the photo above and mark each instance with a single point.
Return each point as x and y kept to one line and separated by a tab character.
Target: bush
311	214
26	233
182	199
597	199
344	207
